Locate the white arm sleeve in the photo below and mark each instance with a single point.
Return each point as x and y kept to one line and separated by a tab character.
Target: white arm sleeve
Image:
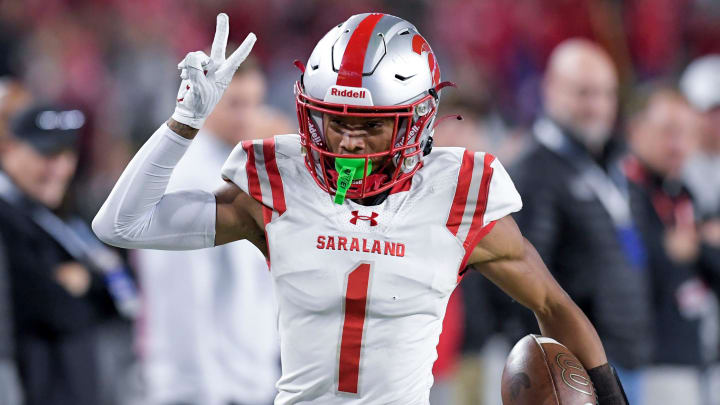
139	214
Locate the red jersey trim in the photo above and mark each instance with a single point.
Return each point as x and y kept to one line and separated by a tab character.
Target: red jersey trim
278	194
251	170
477	230
470	246
270	174
461	192
402	186
483	195
351	67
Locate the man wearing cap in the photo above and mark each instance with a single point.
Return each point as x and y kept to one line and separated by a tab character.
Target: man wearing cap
56	300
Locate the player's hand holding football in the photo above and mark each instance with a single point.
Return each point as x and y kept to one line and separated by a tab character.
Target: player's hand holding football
205	78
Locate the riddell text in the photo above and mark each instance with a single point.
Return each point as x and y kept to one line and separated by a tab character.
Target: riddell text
360	245
348	93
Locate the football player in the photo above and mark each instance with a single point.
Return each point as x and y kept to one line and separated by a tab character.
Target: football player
367	227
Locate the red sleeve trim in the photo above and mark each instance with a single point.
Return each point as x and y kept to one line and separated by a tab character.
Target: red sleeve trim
476	238
278	193
483	195
251	170
461	192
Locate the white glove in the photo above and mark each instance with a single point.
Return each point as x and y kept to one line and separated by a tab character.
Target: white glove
204	79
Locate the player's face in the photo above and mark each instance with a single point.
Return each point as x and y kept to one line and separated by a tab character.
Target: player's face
358	135
666	134
44	178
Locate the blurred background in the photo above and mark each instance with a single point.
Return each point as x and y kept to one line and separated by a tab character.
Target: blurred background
116	62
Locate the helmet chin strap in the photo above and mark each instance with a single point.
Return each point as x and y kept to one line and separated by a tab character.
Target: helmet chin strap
349	169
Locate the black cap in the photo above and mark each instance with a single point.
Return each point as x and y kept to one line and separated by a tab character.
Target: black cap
48	128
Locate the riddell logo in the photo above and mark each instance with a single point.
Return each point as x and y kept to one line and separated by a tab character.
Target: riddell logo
314	134
413	132
356	215
347	93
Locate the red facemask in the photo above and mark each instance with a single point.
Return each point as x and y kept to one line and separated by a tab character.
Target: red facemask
402	160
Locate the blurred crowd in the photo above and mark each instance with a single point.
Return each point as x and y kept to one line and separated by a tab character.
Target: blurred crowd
607	113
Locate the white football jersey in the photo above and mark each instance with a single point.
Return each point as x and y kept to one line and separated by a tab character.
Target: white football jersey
362	290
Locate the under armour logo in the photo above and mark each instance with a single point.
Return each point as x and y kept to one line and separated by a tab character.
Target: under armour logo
371	218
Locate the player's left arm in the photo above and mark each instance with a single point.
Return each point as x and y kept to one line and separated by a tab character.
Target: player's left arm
506	258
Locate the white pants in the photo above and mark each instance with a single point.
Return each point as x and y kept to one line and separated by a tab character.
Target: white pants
672	385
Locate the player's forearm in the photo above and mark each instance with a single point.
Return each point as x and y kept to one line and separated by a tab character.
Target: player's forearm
139	214
563	321
521	273
567	324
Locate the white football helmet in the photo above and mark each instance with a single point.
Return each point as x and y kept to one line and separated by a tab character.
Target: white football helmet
372	65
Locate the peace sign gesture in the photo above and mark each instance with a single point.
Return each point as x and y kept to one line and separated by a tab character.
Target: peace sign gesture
205	78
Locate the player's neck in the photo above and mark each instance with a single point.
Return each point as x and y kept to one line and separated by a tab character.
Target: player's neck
373	200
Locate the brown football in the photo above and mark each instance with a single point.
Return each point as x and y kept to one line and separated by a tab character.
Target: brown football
541	371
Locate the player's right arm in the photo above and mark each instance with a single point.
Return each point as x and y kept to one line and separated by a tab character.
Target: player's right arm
139	213
239	216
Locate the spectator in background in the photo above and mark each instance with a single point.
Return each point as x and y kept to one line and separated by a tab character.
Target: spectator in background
663	134
56	300
209	334
701	85
12	97
577	209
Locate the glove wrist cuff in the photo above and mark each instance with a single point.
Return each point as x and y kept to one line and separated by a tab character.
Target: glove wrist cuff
607	385
196	123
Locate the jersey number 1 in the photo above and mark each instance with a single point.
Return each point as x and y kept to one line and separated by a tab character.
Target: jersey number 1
352	332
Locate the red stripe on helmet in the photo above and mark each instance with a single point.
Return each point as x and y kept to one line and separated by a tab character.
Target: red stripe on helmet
461	192
252	174
278	194
351	67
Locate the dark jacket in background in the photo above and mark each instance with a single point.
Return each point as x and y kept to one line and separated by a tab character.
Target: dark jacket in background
489	311
7	345
677	336
54	330
577	239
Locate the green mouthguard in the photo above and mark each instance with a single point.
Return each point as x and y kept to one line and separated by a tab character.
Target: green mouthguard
349	169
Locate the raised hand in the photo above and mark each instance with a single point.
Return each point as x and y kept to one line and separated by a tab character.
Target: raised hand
205	78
